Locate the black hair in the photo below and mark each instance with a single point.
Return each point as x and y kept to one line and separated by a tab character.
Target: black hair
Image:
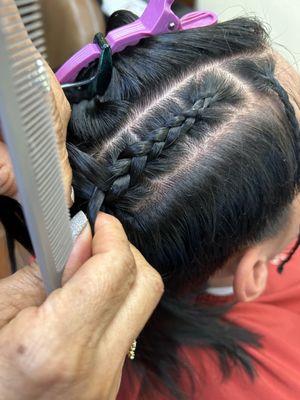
194	147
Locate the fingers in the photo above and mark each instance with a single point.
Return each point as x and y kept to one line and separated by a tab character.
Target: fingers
23	289
146	294
136	310
61	111
7	180
115	292
108	232
98	289
81	251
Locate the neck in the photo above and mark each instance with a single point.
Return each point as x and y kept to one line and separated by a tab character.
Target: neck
224	276
220	279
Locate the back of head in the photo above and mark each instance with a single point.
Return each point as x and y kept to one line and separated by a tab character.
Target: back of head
189	147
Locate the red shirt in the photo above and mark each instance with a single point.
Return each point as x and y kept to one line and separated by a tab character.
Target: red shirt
276	317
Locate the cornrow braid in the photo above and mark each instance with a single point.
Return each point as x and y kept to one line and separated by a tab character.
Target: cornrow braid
90	181
203	200
290	112
133	159
105	183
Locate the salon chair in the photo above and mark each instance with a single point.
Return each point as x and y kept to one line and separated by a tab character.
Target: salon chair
69	25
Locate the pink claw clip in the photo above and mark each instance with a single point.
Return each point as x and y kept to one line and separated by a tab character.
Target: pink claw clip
158	18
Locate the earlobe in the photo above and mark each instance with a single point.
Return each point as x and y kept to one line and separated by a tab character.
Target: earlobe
251	276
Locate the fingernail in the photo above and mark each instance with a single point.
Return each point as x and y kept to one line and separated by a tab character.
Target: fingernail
31	260
78	223
103	219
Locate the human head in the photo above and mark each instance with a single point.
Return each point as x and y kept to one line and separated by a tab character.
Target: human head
248	270
194	147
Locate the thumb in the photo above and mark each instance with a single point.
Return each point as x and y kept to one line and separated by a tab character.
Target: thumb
82	249
25	288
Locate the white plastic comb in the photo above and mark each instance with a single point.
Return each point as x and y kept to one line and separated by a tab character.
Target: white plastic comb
25	112
30	11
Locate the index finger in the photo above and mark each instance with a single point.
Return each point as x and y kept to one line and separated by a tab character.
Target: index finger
92	297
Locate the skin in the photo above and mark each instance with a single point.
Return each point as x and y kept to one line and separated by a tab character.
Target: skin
61	112
61	115
56	347
108	288
248	273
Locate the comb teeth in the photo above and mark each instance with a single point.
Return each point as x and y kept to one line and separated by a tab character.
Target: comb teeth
30	11
31	140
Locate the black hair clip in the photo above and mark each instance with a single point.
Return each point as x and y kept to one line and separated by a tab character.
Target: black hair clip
88	88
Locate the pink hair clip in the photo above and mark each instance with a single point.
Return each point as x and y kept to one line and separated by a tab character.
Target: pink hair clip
158	18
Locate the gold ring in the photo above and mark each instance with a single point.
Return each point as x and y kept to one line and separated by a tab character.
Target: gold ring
131	353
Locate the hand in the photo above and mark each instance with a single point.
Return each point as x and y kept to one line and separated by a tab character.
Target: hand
73	344
61	114
7	180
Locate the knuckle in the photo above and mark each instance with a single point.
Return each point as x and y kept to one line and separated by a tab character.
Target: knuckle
154	281
117	271
49	373
124	261
53	373
32	276
125	270
7	183
128	262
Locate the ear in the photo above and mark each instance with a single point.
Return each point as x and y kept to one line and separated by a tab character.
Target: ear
251	275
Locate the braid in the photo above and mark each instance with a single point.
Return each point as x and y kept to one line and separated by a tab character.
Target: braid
104	184
133	159
290	112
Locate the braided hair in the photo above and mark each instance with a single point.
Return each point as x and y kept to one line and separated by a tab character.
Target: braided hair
189	146
130	164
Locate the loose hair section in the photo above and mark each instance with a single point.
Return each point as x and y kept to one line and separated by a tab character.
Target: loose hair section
189	147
